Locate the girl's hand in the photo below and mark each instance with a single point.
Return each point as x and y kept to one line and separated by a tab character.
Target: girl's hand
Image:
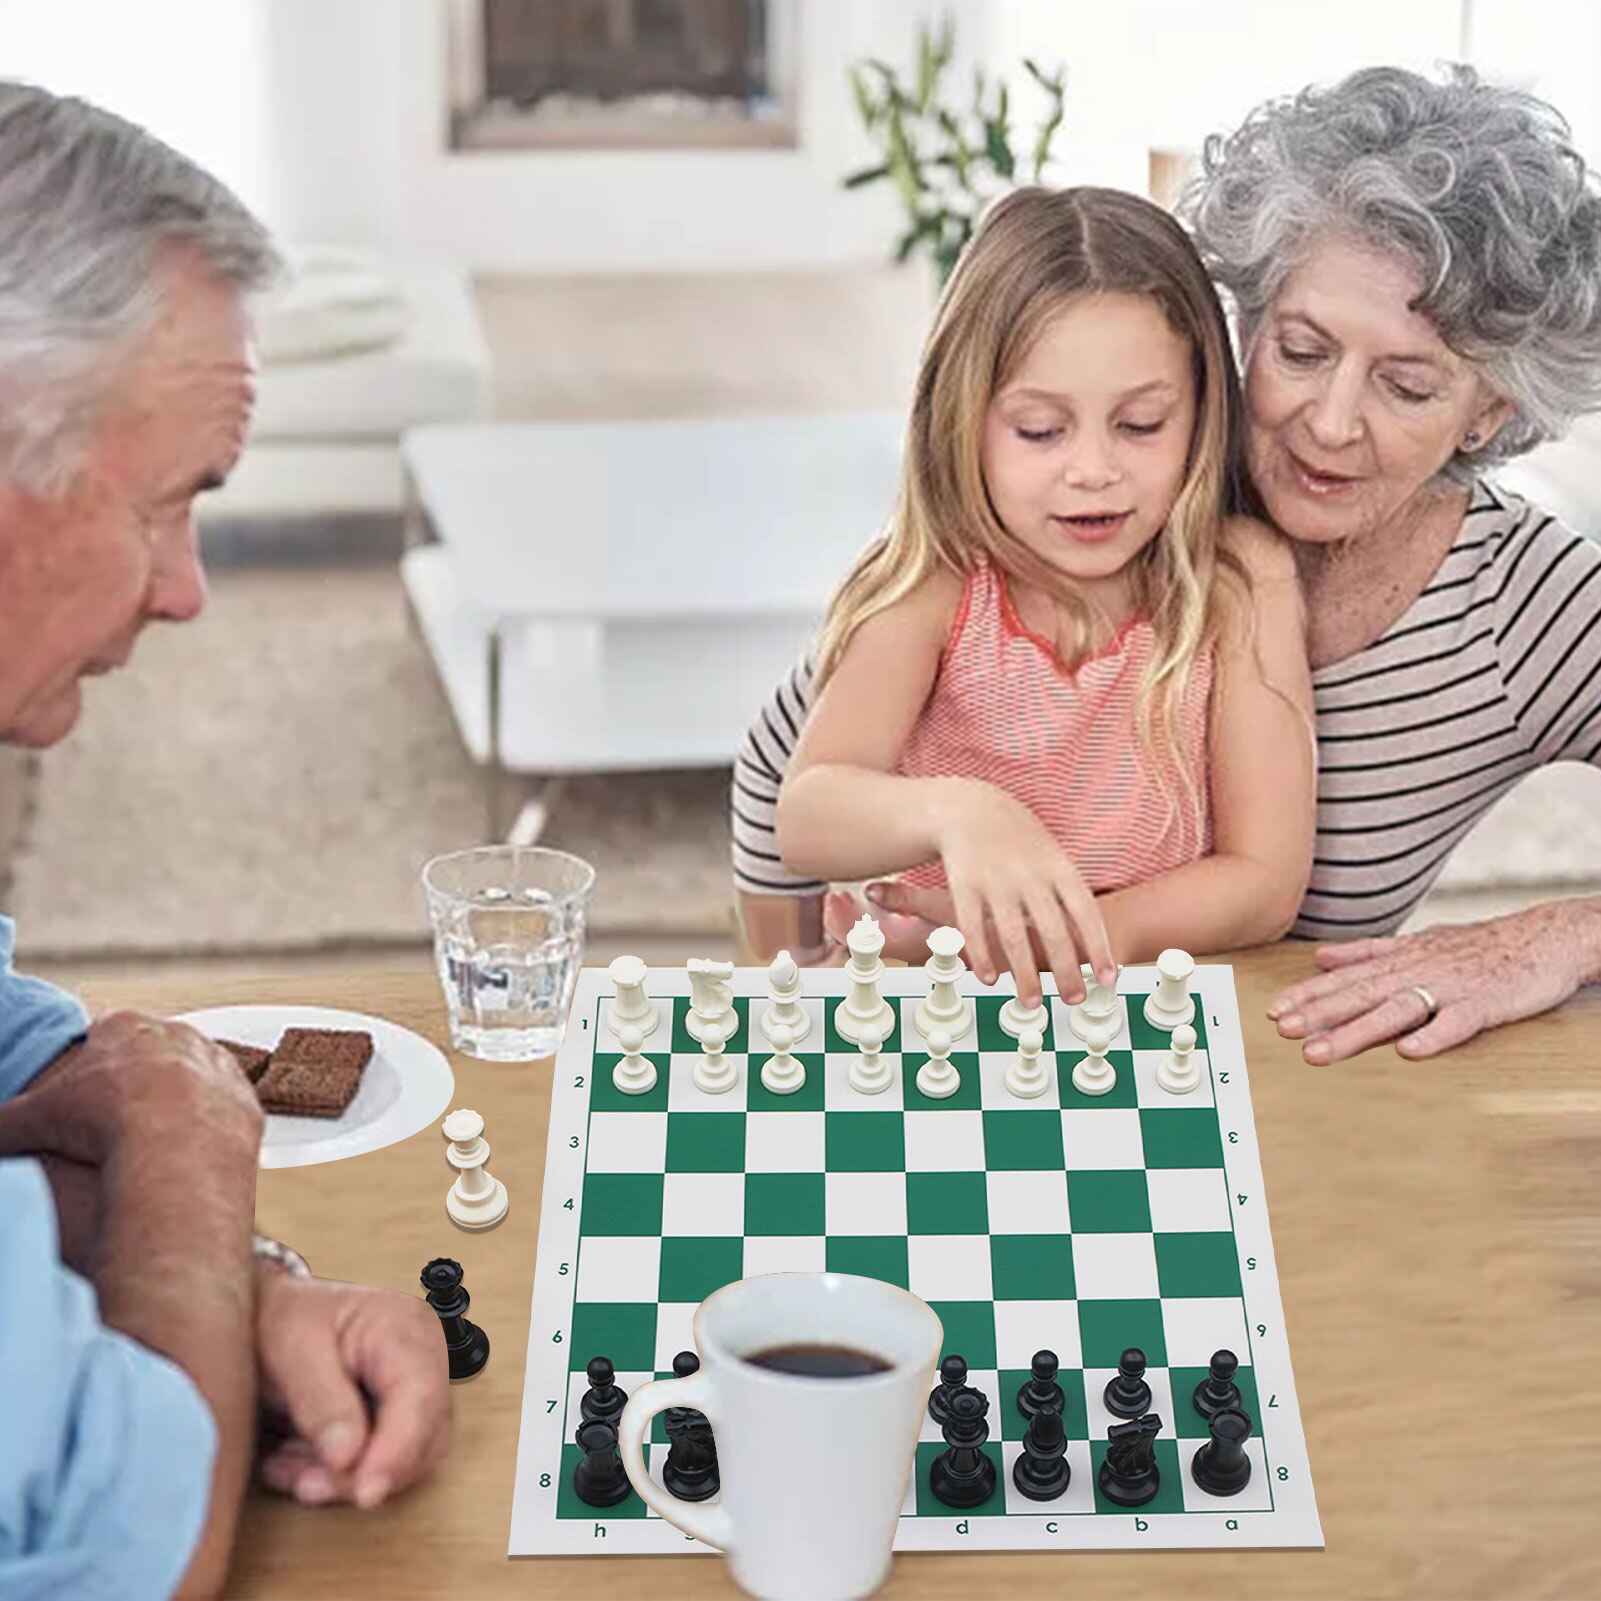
1011	884
905	936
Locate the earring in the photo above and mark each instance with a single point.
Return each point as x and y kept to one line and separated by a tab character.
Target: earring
1470	440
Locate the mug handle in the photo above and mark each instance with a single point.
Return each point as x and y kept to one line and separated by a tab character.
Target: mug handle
707	1521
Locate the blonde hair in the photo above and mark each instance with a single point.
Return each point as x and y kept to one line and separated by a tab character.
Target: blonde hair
1036	249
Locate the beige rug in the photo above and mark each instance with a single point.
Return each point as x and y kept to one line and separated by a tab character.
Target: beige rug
273	776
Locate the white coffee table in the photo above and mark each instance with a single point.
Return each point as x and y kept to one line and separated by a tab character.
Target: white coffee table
608	597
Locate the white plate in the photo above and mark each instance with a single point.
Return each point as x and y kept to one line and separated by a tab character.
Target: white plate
407	1084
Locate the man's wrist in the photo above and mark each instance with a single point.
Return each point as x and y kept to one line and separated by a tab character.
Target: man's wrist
280	1257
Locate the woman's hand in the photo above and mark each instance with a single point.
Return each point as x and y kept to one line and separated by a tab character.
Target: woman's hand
1478	975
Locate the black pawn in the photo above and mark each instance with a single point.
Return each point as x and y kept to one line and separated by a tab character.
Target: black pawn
466	1344
1041	1393
952	1377
1129	1475
963	1475
1128	1395
1221	1466
603	1401
690	1470
1218	1391
1042	1472
599	1479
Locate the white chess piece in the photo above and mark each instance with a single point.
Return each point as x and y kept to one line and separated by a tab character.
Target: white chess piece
1094	1074
1178	1072
711	998
937	1077
869	1073
631	1004
1171	1003
1096	1019
864	1008
1017	1019
477	1200
714	1073
784	985
942	1009
783	1073
1026	1075
635	1074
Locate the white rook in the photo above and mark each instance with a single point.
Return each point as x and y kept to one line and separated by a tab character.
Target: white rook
864	1008
942	1008
1171	1002
631	1004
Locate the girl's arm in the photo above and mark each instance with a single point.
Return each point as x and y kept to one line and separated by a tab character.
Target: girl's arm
1262	777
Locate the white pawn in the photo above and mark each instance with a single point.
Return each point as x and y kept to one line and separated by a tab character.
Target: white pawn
1094	1074
631	1004
1171	1002
937	1078
864	1008
942	1009
477	1200
869	1073
636	1073
784	985
1017	1019
1178	1072
782	1073
1026	1075
714	1073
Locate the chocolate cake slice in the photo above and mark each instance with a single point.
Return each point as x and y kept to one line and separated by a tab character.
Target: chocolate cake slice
252	1059
314	1072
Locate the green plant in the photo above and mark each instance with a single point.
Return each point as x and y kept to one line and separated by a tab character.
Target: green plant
947	163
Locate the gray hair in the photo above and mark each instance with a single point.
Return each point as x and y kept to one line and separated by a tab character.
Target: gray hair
1477	185
88	204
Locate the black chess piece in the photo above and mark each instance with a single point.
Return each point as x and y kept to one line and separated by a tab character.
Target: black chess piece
952	1377
1128	1395
1041	1392
1129	1475
690	1470
1218	1390
963	1475
599	1478
1042	1471
1221	1466
604	1398
466	1343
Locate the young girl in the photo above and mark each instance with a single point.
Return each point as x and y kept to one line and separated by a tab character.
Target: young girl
1070	684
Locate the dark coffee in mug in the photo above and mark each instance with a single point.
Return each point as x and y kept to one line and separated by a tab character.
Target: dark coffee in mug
819	1361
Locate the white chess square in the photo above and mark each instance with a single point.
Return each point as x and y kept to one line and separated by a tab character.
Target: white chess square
838	1096
1197	1326
1100	1420
1024	1327
623	1267
864	1203
1257	1496
912	1038
944	1142
1149	1093
703	1203
1115	1267
657	1043
627	1142
1105	1138
1077	1499
683	1096
674	1331
986	1380
785	1253
811	1042
993	1093
1028	1203
783	1142
1069	1044
949	1267
1189	1200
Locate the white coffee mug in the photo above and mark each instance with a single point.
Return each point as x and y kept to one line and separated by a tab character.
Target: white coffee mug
813	1470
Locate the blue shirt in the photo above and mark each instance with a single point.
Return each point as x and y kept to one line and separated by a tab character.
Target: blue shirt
106	1449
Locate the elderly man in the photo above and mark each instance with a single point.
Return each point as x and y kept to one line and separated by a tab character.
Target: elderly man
141	1327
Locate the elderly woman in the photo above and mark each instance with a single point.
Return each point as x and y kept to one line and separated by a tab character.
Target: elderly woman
1415	269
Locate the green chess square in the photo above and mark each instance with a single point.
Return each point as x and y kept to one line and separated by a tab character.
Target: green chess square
991	1036
1108	1328
1012	1425
1205	1265
705	1142
966	1097
692	1266
1188	1424
623	1203
569	1506
865	1142
836	1044
930	1506
947	1203
1108	1201
873	1256
685	1043
784	1203
1170	1472
623	1331
1148	1037
604	1096
1122	1094
1181	1137
969	1332
808	1098
1023	1141
1032	1267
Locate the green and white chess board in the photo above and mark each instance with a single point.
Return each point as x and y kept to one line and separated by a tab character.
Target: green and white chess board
1075	1223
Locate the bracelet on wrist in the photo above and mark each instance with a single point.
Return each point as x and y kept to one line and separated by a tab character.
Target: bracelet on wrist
267	1249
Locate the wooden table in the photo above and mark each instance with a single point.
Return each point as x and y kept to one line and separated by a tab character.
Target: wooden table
1438	1232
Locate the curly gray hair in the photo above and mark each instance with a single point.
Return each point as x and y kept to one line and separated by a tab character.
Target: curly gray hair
87	204
1477	184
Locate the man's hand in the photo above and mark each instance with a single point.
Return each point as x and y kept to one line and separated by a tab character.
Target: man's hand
329	1352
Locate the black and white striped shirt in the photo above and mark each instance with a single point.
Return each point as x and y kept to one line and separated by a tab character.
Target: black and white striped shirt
1494	670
